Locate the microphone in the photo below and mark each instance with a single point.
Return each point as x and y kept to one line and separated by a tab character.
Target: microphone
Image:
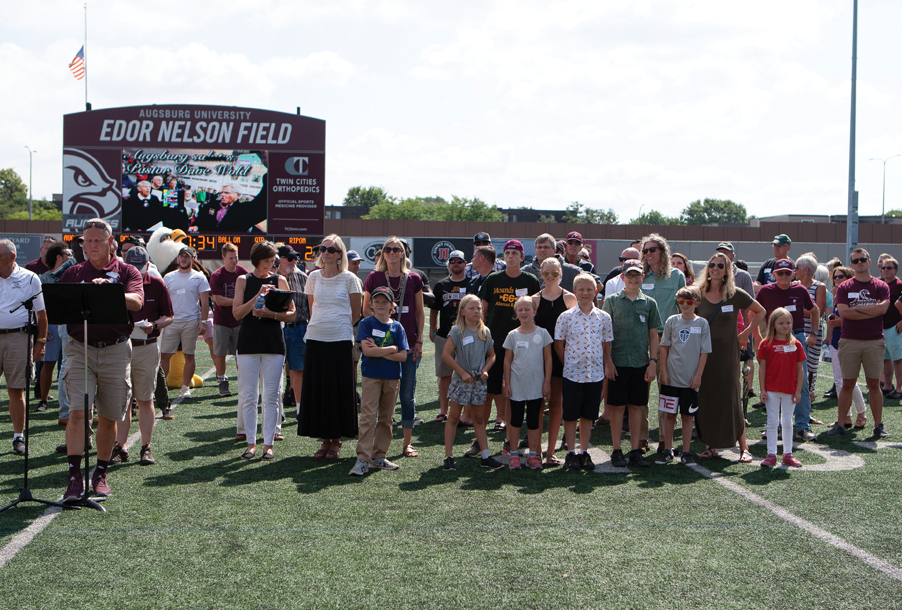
52	277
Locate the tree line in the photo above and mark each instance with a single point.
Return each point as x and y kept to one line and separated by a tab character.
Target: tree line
14	200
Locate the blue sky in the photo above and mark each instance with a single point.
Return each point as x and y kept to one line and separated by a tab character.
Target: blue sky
644	103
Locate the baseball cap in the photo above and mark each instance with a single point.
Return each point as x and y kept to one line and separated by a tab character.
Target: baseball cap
784	263
457	254
136	240
406	246
383	291
560	248
782	240
630	266
725	245
482	236
187	249
574	235
288	252
353	256
137	257
513	244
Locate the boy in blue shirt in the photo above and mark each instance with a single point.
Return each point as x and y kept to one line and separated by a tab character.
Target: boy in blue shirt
384	346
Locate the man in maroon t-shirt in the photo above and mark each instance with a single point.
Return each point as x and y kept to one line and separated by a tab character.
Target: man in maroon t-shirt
861	301
38	266
225	326
796	299
154	316
892	327
109	357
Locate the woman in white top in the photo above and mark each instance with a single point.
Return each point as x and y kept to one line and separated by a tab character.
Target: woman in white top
328	408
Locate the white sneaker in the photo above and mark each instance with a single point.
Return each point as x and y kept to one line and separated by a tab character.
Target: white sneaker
360	468
185	392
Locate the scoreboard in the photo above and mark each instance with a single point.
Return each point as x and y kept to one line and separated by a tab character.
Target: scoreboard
209	247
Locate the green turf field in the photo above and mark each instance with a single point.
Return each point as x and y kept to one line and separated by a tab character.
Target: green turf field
204	529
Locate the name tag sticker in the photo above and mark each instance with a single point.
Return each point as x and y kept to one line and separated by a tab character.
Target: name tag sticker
180	291
727	308
523	344
521	292
468	340
854	295
790	308
789	348
342	295
405	309
641	318
695	330
648	286
462	290
378	333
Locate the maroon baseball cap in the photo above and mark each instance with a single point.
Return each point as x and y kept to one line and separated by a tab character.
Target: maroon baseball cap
784	263
514	244
574	235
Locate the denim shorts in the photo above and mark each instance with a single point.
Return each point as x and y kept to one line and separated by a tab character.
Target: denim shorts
295	347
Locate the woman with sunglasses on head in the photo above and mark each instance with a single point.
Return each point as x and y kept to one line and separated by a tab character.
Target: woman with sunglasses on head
834	326
550	303
393	270
806	267
681	262
719	419
328	407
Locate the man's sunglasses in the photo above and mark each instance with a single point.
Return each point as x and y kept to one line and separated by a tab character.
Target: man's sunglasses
712	264
856	261
574	242
97	224
482	243
392	249
329	249
652	249
888	268
783	272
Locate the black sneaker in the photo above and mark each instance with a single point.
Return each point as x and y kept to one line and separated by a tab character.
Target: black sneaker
836	430
585	461
474	449
524	444
449	464
687	459
637	459
19	446
42	406
617	459
664	457
880	431
224	388
119	454
491	462
506	447
571	462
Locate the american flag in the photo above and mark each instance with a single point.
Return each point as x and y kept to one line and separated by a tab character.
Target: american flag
78	65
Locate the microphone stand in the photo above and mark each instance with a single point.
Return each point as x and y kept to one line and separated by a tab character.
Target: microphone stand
25	494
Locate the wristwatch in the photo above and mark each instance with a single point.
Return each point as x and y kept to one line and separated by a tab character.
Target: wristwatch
653	359
42	339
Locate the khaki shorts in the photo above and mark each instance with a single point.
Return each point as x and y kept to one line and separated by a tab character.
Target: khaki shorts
441	369
109	378
225	340
855	354
145	362
14	358
184	332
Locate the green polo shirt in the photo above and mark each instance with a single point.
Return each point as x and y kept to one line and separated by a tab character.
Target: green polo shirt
663	291
632	321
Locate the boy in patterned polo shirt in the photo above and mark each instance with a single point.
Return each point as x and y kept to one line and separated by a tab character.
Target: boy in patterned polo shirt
582	340
633	364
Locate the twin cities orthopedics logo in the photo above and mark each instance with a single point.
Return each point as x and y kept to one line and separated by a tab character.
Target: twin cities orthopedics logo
441	252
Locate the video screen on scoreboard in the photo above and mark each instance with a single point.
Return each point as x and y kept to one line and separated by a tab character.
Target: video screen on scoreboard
197	191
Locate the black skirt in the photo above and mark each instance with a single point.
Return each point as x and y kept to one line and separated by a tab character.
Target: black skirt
328	396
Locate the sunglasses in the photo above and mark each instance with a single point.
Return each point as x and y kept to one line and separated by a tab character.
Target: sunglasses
392	250
97	224
622	259
456	261
888	268
856	261
653	249
783	272
482	243
330	250
574	242
686	301
550	274
711	265
840	276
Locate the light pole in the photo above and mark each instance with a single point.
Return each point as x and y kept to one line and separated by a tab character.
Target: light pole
883	207
30	198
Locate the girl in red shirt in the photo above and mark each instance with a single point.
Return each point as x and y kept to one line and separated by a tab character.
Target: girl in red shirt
782	361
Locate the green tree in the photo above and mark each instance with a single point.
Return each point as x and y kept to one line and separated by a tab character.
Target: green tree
656	218
894	213
474	210
46	211
436	208
578	213
547	218
712	211
367	197
13	193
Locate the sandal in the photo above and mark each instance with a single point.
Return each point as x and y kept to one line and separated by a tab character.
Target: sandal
409	451
441	417
861	421
552	460
815	422
249	454
745	457
334	452
268	455
278	437
708	454
499	426
323	450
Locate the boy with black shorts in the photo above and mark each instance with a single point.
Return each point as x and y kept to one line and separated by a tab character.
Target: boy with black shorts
632	365
582	340
685	345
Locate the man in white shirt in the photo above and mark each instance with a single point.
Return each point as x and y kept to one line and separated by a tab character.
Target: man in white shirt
190	294
18	284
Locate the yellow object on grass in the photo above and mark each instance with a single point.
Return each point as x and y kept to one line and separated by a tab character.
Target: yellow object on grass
177	369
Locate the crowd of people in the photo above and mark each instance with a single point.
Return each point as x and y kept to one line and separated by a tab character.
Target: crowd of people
547	335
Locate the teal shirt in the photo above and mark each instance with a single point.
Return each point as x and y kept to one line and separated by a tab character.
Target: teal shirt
663	291
632	320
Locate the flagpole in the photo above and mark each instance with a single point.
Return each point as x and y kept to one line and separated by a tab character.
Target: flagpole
87	106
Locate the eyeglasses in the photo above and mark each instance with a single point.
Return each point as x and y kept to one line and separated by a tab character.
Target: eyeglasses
784	272
550	274
329	249
686	301
653	249
712	264
856	261
840	276
392	249
888	268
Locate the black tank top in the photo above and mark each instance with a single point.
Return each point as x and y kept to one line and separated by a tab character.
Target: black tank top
259	335
546	317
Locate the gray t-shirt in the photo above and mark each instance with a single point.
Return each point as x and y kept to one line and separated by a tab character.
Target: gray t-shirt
469	351
687	342
528	365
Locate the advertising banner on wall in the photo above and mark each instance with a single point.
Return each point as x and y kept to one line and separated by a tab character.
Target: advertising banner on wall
28	247
213	170
433	253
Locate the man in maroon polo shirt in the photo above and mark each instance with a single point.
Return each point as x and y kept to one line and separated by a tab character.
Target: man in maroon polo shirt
108	363
155	315
38	266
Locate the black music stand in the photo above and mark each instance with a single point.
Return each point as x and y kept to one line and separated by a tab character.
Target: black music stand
25	493
86	304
